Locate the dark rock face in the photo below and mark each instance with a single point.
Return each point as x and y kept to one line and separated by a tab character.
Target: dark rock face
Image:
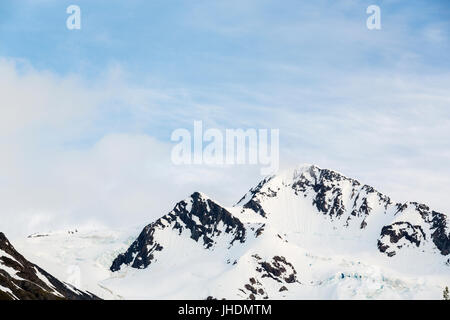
438	225
201	217
413	234
26	281
255	206
253	203
278	269
392	234
141	252
254	289
328	196
210	215
440	238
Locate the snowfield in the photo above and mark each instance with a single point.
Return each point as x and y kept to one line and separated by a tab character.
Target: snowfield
78	256
22	280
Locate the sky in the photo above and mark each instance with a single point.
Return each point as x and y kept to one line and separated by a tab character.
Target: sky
86	115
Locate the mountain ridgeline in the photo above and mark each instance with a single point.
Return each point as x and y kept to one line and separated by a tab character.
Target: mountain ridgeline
301	212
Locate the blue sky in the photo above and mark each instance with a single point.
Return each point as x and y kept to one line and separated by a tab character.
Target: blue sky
229	52
374	105
221	41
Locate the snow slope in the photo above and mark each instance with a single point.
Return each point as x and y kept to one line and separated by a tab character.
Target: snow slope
80	256
23	280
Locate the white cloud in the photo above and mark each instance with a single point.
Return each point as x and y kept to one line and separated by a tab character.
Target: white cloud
74	153
50	179
31	99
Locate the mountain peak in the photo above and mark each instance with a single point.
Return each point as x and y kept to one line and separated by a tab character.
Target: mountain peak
199	195
198	217
270	242
310	172
3	238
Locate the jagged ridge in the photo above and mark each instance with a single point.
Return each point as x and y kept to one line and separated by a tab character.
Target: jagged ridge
202	217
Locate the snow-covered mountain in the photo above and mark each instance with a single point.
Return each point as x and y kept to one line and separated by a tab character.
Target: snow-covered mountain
303	233
21	279
306	233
